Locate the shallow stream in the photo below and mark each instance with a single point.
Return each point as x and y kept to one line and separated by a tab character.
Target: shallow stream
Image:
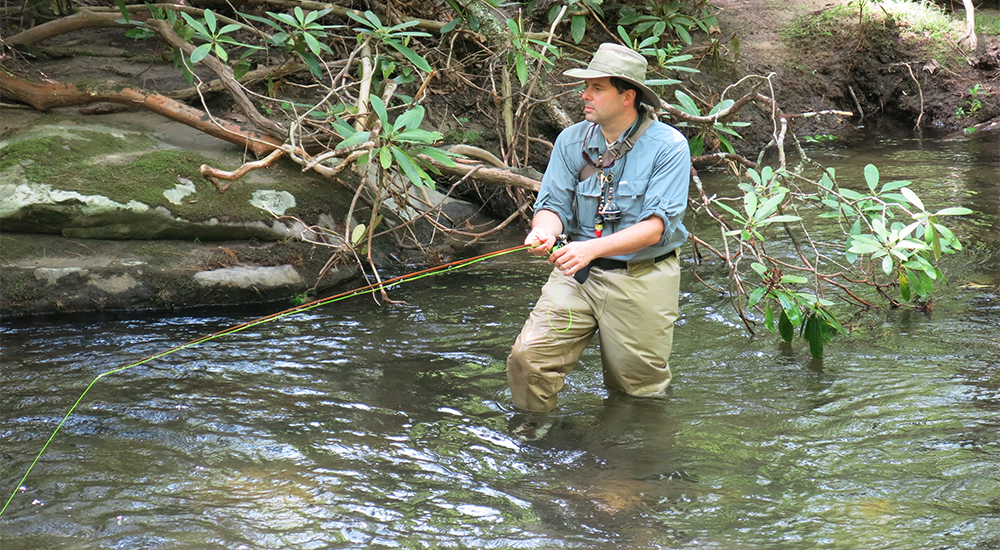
365	426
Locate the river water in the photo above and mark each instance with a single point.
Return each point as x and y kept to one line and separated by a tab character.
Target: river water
356	425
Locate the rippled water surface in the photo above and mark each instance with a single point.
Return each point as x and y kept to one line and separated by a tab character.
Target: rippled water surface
363	426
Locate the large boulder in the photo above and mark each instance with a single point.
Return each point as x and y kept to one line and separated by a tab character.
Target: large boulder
111	212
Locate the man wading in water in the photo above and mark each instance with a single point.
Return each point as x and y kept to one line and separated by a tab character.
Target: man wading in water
616	186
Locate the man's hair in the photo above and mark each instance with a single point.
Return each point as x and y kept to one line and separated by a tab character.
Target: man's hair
623	85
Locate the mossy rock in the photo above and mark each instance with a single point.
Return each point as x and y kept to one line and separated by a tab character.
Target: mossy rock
97	181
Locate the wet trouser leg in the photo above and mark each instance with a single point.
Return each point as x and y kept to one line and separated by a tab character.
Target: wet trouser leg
555	334
637	328
636	313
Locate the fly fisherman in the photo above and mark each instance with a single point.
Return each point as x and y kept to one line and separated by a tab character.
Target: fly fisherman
616	186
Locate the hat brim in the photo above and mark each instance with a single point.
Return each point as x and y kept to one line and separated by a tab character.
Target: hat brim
649	95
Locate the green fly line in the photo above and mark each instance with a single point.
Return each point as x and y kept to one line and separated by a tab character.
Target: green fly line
259	321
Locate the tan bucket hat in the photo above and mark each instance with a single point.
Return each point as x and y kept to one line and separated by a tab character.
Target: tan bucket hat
621	62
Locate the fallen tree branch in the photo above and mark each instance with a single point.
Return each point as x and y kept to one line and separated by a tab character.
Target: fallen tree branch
252	77
212	174
49	95
492	176
83	19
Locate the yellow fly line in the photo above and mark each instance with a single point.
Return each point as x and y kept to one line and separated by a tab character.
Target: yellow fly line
451	266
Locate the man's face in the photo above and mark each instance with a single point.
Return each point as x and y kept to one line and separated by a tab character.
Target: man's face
603	104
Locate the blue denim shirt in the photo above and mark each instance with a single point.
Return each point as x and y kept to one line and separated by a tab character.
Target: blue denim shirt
652	180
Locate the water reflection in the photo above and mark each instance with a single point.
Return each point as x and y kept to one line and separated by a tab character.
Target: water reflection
359	426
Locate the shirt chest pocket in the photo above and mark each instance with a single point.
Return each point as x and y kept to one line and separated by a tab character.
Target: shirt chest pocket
632	199
588	197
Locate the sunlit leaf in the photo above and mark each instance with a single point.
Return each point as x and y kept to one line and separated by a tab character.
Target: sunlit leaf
521	67
750	204
410	119
413	56
851	195
686	103
783	218
201	52
953	211
379	109
722	106
412	171
911	197
437	155
418	136
358	233
871	176
375	21
887	264
313	44
221	53
195	24
354	139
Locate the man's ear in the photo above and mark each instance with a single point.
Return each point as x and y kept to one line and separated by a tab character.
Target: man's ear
630	97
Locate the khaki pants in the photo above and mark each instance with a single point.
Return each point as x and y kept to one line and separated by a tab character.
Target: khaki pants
635	313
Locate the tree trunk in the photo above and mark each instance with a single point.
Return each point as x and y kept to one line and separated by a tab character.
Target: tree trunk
969	39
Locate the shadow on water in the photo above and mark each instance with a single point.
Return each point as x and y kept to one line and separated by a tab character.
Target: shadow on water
360	426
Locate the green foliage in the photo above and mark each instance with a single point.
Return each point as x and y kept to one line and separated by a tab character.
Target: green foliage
522	50
207	29
817	25
907	252
925	18
578	19
719	129
300	33
973	103
669	19
399	142
44	10
395	37
988	23
891	239
665	58
818	138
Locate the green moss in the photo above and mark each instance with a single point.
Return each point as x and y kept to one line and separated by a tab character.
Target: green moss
27	150
18	288
113	165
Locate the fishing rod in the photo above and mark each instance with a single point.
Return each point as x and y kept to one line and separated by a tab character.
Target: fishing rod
369	289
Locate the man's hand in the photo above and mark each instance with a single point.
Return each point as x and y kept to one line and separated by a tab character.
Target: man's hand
573	257
542	240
